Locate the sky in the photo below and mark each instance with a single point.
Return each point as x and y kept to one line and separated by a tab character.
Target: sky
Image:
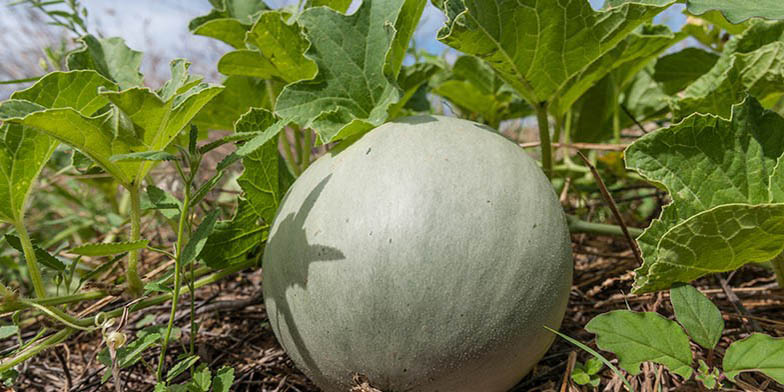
159	28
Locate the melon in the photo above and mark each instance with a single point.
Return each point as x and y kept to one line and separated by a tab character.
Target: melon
426	256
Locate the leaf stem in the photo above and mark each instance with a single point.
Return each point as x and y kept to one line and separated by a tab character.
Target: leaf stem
135	285
31	351
289	155
544	138
177	274
30	258
306	147
778	267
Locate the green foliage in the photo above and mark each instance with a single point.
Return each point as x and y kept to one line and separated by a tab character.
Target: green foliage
726	209
279	51
353	89
677	70
569	54
587	373
751	63
640	337
140	121
758	353
481	94
736	11
25	150
698	315
110	57
228	21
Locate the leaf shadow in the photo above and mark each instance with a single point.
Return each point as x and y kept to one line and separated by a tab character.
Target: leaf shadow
297	253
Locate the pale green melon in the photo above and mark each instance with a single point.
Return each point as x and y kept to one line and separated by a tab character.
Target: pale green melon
426	256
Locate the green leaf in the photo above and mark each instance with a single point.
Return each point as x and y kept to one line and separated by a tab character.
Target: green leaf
337	5
759	73
726	211
159	199
677	70
736	11
475	88
144	156
223	380
232	241
205	189
228	21
356	59
756	353
111	58
412	79
259	180
202	379
557	66
180	367
279	51
24	150
140	121
261	122
637	337
199	238
238	96
108	249
41	255
698	315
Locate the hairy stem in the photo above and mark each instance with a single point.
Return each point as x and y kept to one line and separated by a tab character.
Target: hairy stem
778	267
30	258
544	139
135	285
177	276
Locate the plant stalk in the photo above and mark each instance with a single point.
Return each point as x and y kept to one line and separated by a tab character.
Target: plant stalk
544	139
135	284
90	321
30	258
778	267
580	226
177	276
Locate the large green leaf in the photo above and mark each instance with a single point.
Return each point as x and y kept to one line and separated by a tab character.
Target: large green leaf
278	51
476	89
228	21
24	150
756	353
544	49
357	63
726	209
140	121
637	337
111	58
737	11
698	315
751	63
